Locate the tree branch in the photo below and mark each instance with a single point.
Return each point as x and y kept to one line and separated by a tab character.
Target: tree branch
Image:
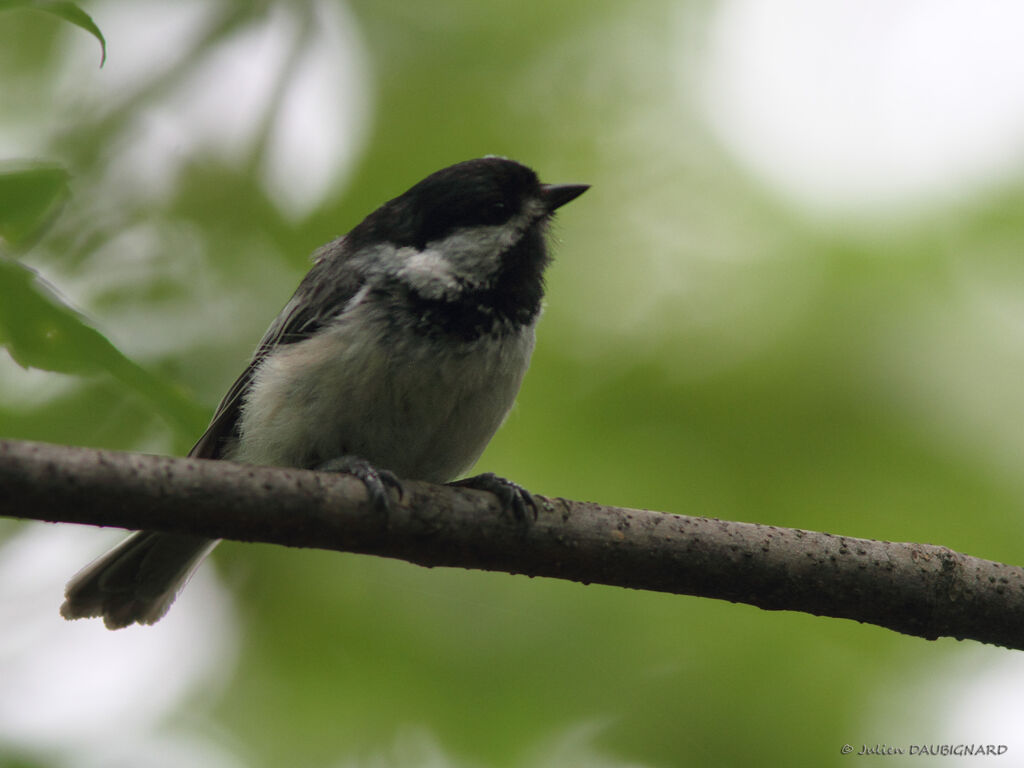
917	589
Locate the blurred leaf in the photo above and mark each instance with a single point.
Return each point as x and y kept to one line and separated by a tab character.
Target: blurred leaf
41	331
17	761
63	10
28	200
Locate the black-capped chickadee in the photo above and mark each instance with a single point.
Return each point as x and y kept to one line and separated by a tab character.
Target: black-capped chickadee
399	355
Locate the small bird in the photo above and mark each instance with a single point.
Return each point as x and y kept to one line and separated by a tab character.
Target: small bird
399	355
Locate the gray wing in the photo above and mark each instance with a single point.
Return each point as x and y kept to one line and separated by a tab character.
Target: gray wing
320	297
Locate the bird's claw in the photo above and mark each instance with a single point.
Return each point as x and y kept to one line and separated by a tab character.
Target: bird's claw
377	481
513	497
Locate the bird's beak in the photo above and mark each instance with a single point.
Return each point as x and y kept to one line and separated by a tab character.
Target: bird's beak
557	195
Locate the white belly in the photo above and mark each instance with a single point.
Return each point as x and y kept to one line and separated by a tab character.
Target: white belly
405	405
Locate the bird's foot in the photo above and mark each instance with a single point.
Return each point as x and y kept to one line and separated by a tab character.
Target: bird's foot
377	481
512	496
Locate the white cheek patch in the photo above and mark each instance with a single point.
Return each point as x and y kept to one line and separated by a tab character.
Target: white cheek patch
466	258
475	241
429	274
474	254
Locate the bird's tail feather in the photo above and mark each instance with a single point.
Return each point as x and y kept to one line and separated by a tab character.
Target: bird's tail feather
137	580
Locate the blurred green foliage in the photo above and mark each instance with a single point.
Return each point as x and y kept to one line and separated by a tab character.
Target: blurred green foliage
28	197
40	331
706	350
67	11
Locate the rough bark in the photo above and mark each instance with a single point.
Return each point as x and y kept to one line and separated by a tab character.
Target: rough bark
918	589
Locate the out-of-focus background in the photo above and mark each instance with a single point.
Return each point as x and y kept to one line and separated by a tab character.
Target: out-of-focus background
794	295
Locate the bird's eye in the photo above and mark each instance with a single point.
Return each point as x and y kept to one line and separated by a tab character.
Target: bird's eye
495	212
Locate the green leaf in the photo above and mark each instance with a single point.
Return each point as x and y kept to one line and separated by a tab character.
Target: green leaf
64	10
41	331
28	200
